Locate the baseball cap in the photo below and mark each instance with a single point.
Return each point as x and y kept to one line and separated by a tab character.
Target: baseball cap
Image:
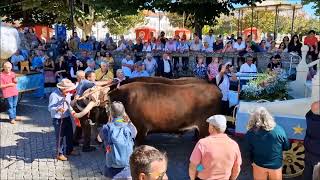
218	121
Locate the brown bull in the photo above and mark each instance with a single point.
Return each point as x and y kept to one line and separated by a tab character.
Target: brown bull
158	107
179	81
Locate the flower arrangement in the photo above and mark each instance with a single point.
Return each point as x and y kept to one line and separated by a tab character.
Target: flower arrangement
268	86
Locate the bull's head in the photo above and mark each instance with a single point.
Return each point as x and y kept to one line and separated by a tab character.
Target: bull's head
95	96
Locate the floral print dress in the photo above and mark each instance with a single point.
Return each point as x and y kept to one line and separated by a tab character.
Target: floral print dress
200	71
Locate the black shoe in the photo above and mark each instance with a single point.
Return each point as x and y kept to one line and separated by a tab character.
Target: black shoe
88	149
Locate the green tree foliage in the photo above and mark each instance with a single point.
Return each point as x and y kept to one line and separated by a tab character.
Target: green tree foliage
316	5
122	24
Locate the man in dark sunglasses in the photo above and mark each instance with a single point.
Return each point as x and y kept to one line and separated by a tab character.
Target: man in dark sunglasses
148	163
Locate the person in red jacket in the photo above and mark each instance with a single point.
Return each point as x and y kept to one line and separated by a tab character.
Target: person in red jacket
8	86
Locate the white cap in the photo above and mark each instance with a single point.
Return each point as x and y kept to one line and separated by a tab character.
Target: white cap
218	121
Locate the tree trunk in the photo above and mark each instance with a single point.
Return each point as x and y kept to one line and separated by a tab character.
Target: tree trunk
198	29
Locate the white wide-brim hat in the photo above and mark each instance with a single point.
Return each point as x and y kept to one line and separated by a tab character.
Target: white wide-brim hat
66	84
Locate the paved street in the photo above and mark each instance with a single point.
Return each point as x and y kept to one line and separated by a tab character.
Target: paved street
27	150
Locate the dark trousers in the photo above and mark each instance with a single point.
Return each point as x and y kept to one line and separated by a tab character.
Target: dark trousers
85	129
310	161
225	110
63	128
167	75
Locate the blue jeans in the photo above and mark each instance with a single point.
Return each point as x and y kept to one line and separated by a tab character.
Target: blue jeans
117	173
63	128
12	107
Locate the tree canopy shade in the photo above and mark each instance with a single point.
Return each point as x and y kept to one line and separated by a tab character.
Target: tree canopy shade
197	12
316	5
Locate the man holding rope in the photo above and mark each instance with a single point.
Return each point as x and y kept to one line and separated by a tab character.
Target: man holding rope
58	108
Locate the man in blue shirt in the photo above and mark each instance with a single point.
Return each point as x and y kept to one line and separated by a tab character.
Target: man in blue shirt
139	71
58	108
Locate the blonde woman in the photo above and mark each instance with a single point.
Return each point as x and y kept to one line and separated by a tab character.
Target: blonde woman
266	141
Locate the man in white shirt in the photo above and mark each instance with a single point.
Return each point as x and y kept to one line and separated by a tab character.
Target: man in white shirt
248	67
239	45
196	44
165	66
15	59
127	66
210	39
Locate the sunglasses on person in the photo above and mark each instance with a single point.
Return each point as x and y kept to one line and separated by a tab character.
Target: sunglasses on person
159	176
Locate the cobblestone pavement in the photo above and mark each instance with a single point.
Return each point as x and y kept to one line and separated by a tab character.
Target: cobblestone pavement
27	150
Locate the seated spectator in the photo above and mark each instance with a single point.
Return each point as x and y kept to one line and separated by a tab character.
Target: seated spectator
91	65
295	45
206	48
119	75
228	47
118	152
248	67
102	46
282	48
150	64
15	59
272	48
312	140
262	46
127	65
266	142
130	45
200	70
239	45
84	56
98	58
165	66
70	60
147	162
146	47
170	46
196	44
248	47
275	64
286	40
108	58
216	156
103	73
213	70
37	61
218	45
139	71
312	41
158	46
49	74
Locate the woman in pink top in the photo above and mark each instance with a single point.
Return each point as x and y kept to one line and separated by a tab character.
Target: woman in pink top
8	85
213	69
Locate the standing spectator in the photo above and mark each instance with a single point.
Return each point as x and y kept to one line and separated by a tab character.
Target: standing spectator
127	66
122	41
272	48
184	48
206	48
147	47
282	48
49	74
312	140
266	142
263	47
213	70
108	40
210	39
170	46
162	38
58	108
200	70
223	82
218	45
228	47
138	46
216	156
8	86
268	42
147	162
312	41
248	67
165	66
150	64
61	69
295	45
130	45
15	59
118	136
103	73
139	70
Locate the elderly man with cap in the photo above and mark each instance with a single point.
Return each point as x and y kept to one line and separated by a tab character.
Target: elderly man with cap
103	73
58	108
150	64
216	156
139	70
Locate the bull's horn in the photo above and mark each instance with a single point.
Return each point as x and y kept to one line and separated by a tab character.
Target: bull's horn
86	110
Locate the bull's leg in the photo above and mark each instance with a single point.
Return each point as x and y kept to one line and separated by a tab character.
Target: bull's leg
142	134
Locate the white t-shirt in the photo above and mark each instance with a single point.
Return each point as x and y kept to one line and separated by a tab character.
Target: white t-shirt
210	40
245	68
126	71
166	67
238	46
224	86
15	59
